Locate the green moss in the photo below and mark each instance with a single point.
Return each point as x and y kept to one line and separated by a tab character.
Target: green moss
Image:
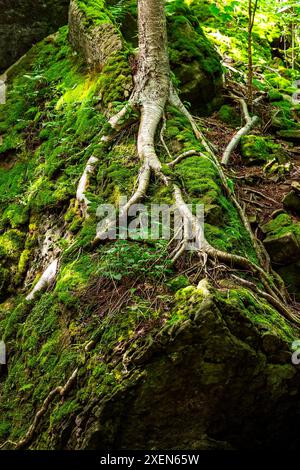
274	95
73	277
94	11
11	243
229	115
115	82
15	215
255	149
258	312
178	283
23	265
62	411
281	225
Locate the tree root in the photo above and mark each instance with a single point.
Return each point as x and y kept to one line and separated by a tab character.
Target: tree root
61	391
279	306
250	122
182	156
260	251
232	260
47	277
83	183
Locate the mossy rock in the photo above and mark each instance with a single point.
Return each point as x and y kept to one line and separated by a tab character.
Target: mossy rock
283	248
291	202
194	61
282	239
274	95
11	243
92	33
229	115
257	150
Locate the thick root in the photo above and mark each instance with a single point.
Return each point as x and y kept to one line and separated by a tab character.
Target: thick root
83	184
47	278
61	391
250	122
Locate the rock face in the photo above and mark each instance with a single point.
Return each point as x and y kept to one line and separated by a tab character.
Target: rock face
196	64
292	202
283	245
96	42
24	22
204	378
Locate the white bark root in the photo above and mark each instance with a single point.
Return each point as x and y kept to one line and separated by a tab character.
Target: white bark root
143	183
83	184
250	123
48	276
116	119
182	156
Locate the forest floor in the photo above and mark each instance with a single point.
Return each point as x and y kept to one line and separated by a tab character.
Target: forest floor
260	194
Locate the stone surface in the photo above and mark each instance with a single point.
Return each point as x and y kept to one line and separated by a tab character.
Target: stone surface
255	150
291	202
196	65
95	42
282	249
215	381
24	22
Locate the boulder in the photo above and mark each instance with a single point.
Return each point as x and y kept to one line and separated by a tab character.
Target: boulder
196	64
95	40
255	150
282	239
283	249
291	202
24	22
283	245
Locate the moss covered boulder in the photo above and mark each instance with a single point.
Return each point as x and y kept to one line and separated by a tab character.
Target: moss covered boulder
92	32
194	60
257	150
198	383
282	239
283	245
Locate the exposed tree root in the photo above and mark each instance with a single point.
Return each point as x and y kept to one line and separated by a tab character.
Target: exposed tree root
272	292
260	251
62	391
182	156
47	277
83	183
250	122
271	299
143	184
117	118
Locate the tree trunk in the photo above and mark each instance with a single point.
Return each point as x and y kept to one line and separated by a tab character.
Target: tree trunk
152	81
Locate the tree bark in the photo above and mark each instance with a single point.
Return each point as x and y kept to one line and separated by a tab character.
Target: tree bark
152	81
